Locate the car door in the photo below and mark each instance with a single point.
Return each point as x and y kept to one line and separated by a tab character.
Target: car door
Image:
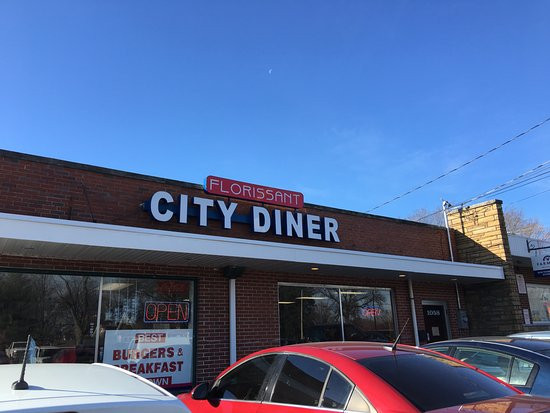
305	384
238	391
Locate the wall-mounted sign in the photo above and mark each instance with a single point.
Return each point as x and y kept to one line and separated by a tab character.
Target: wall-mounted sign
520	280
166	312
526	316
252	192
540	257
163	207
163	356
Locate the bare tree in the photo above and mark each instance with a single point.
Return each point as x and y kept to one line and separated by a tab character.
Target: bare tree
79	295
516	223
425	216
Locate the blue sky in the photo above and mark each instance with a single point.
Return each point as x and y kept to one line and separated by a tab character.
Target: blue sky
350	102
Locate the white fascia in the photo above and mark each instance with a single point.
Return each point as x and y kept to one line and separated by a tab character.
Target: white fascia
39	229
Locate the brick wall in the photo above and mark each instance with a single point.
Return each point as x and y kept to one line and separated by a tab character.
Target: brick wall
51	188
56	189
480	234
257	303
257	308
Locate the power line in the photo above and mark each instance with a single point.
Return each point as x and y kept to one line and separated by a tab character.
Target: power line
532	196
461	166
512	182
533	175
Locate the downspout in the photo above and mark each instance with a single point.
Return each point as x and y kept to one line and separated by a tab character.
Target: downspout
98	321
232	321
413	313
232	273
445	205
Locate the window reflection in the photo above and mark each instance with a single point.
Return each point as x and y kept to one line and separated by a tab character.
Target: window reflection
145	324
309	314
58	311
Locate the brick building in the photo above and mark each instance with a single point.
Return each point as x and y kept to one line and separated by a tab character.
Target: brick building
170	281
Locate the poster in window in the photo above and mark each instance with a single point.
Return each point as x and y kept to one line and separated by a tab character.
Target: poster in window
164	356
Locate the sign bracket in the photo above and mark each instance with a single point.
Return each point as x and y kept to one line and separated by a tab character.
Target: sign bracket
529	249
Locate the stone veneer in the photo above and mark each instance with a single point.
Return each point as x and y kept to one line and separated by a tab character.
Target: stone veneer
480	234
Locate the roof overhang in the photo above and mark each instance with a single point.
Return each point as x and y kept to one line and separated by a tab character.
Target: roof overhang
30	236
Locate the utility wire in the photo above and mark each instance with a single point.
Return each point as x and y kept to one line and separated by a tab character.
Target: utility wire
535	174
532	196
461	166
508	184
527	182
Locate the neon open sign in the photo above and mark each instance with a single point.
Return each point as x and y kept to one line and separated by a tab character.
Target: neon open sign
166	312
372	311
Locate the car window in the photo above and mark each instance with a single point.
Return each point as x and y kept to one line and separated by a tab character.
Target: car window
521	370
336	392
431	382
493	362
300	382
441	349
357	403
246	381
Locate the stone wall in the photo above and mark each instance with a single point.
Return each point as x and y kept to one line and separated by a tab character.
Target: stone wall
480	233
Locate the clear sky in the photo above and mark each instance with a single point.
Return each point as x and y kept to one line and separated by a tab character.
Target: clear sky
351	102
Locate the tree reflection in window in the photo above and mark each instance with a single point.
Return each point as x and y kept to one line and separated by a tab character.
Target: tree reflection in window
309	313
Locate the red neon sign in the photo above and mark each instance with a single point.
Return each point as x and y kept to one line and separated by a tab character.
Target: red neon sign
265	194
372	311
166	312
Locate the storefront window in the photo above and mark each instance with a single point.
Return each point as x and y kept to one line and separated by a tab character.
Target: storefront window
145	325
309	313
539	301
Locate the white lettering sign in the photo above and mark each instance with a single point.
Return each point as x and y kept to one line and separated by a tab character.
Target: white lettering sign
282	223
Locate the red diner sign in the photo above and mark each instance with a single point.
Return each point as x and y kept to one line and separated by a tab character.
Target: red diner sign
252	192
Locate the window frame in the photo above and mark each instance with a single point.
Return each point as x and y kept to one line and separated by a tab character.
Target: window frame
340	287
279	363
535	285
478	350
265	384
146	275
532	376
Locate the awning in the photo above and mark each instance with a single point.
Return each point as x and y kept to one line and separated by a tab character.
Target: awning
30	236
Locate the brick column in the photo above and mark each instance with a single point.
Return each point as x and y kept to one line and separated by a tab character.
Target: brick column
480	232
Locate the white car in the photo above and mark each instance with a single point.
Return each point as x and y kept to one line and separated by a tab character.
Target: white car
538	335
82	388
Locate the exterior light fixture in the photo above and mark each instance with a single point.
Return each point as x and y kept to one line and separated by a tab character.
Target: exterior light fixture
402	275
314	268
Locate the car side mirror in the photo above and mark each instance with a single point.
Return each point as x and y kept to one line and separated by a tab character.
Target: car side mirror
200	392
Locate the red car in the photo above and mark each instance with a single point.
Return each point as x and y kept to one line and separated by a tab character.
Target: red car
355	377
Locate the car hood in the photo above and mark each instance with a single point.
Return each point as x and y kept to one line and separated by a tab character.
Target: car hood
522	403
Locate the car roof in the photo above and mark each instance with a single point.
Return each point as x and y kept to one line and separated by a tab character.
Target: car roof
522	343
90	387
544	334
354	350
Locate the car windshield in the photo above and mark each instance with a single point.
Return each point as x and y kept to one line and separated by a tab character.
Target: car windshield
431	382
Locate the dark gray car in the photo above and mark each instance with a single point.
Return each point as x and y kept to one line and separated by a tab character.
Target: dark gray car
523	363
